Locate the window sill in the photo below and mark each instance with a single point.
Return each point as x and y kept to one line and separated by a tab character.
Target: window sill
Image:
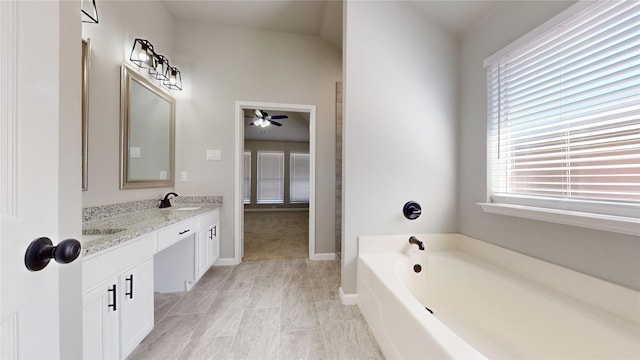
619	224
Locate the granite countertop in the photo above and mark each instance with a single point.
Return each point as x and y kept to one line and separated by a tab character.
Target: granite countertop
104	231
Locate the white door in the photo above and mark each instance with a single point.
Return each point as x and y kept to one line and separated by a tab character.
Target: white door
34	170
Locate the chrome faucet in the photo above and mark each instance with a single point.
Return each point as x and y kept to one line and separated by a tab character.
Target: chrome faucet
415	241
165	203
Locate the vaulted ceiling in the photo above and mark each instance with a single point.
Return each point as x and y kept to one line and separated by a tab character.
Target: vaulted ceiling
317	17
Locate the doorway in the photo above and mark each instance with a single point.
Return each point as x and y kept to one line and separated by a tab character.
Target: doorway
269	210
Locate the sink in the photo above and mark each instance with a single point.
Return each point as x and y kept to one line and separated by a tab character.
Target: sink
187	208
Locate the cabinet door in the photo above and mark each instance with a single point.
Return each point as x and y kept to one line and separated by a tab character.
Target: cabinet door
136	315
100	321
204	251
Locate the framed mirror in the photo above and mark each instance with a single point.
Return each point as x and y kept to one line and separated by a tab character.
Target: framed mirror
86	54
147	131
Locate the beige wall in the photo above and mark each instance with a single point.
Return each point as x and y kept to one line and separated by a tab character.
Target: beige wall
610	256
219	65
223	65
399	125
111	42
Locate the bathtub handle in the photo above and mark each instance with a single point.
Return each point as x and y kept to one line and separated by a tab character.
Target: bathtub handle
412	210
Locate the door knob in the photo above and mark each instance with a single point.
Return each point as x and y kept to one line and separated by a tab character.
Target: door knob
41	251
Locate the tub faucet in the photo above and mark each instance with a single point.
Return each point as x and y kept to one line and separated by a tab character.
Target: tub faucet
165	203
415	241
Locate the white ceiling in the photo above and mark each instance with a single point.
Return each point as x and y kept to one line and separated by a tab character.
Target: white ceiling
457	16
295	128
310	17
316	17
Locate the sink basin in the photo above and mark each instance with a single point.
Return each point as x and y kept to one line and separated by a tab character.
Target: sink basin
188	208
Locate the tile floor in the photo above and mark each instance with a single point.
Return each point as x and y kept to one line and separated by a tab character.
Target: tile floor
266	309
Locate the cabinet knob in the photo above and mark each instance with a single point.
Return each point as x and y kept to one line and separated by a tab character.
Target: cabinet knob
41	251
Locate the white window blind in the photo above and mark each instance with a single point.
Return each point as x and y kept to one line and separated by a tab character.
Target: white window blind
564	115
247	177
299	178
270	177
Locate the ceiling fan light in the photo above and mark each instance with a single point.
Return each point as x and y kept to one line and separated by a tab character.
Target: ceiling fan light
265	123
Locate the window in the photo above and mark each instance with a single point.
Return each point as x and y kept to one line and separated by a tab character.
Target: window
564	115
247	177
270	177
299	178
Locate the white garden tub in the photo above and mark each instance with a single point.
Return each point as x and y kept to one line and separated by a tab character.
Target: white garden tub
489	302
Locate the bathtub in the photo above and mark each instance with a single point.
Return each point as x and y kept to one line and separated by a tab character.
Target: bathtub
467	299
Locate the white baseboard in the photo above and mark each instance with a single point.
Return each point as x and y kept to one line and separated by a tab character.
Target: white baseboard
227	262
325	256
348	299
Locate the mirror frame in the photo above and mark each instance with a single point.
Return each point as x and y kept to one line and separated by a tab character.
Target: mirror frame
86	57
127	75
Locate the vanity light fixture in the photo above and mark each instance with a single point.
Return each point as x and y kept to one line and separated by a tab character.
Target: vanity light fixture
173	79
160	72
89	11
145	57
142	54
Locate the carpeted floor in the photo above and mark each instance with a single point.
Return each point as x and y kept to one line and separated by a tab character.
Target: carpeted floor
276	235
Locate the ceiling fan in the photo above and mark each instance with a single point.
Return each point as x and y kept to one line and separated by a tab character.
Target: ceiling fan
263	119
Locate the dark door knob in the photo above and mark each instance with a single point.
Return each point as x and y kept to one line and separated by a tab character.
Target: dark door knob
41	251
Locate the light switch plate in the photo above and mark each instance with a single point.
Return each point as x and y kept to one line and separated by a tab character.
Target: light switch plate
214	154
184	176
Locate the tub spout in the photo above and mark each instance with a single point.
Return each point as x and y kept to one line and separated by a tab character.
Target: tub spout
415	241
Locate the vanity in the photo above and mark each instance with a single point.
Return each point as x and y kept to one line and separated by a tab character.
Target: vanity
132	250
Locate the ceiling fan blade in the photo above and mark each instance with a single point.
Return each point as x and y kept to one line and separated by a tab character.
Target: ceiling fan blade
279	117
275	123
259	113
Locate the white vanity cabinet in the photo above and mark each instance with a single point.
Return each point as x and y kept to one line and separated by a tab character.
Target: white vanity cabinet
136	316
101	335
118	300
119	282
208	245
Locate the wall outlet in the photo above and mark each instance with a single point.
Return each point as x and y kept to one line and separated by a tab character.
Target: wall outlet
214	154
184	176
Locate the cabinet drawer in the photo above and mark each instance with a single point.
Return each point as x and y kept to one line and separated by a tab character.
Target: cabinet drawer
175	233
112	261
